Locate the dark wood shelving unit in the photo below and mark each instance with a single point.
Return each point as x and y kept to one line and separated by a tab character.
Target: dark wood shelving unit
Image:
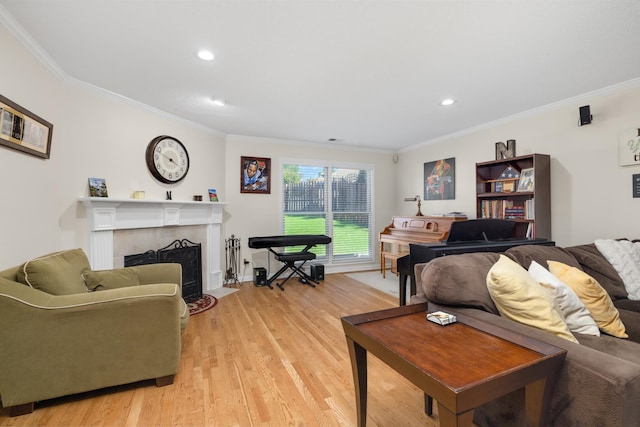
488	174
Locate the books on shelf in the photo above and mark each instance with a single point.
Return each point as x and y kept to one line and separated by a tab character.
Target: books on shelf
507	209
530	231
529	209
514	212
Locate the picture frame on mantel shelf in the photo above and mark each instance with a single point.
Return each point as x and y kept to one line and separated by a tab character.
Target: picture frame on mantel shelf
98	187
255	175
23	130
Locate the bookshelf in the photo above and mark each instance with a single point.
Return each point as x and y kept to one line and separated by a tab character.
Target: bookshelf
497	195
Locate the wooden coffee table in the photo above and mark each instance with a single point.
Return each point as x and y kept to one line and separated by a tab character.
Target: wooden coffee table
461	366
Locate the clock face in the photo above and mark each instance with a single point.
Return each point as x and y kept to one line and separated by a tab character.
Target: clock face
167	159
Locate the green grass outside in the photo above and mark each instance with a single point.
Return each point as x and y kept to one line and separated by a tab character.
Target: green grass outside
348	238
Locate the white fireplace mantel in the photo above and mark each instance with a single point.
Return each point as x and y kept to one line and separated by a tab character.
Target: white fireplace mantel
106	215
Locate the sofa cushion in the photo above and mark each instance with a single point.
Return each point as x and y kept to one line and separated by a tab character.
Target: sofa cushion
624	256
519	297
593	296
575	313
460	280
110	279
524	254
58	273
596	265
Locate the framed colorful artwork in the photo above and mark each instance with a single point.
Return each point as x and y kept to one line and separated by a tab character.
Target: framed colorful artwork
255	175
439	179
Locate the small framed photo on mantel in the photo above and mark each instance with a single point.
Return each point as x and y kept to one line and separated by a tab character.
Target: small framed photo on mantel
98	187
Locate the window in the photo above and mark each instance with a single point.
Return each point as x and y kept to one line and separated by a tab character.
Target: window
330	199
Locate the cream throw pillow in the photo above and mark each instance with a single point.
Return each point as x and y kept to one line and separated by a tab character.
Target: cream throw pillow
575	313
593	296
519	297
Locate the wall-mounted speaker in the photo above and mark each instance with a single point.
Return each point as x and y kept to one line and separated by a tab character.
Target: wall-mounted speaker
585	115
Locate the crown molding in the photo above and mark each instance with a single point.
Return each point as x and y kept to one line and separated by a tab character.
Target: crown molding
585	97
18	31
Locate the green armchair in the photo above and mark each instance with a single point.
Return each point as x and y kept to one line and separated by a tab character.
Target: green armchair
65	329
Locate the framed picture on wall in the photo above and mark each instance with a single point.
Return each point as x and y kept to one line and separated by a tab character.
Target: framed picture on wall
439	179
24	131
255	175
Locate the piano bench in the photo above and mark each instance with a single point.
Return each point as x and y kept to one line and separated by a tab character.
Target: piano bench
295	256
393	257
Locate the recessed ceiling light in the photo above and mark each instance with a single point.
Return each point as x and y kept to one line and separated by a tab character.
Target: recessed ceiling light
205	55
447	102
219	102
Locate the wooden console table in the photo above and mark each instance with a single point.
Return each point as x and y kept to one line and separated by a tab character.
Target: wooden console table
444	361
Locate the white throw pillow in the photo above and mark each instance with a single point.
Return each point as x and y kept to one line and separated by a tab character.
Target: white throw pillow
623	255
575	313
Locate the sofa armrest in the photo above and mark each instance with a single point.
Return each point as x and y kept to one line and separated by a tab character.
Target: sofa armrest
591	385
59	345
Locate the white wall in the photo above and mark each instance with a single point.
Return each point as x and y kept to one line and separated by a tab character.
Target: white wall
258	214
94	135
591	194
99	135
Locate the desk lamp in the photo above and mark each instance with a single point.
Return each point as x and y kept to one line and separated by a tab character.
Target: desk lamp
413	199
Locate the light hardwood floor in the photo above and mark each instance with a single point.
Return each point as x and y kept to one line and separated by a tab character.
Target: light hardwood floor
261	357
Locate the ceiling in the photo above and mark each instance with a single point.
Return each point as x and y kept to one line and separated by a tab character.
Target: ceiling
369	74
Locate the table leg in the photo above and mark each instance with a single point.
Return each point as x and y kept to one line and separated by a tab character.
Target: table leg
536	402
449	419
428	405
358	356
402	281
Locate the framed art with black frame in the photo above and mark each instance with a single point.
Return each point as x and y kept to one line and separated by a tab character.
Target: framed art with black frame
255	175
439	179
24	131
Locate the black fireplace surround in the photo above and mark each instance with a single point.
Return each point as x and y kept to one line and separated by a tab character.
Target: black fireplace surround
183	252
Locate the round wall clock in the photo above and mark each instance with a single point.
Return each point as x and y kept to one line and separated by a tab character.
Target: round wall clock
167	159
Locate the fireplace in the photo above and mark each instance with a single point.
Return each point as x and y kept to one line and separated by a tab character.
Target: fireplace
141	219
183	252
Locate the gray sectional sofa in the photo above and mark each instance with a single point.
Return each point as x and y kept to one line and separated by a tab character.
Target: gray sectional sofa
599	383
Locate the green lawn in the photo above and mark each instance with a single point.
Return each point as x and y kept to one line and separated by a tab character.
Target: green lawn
349	238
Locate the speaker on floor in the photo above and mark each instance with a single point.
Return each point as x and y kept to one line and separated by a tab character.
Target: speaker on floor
317	272
260	276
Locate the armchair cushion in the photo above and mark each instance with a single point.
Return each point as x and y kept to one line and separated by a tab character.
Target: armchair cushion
111	279
58	273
